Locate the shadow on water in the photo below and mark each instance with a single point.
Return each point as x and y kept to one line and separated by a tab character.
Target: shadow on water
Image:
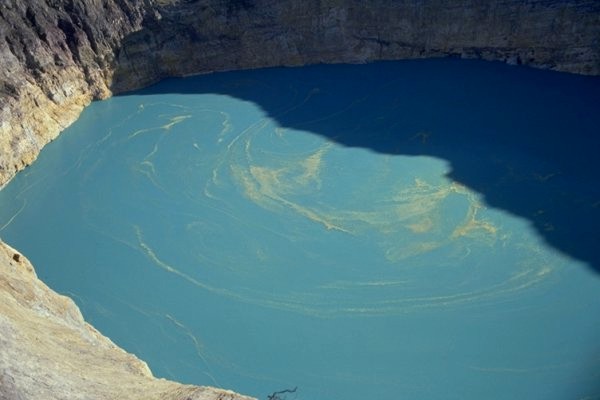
527	140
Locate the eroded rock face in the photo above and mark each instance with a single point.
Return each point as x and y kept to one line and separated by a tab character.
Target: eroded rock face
56	56
47	350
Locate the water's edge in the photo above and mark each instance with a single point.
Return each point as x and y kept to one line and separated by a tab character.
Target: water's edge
43	97
48	351
52	73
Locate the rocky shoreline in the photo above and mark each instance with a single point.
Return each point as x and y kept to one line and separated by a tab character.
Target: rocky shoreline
59	55
47	350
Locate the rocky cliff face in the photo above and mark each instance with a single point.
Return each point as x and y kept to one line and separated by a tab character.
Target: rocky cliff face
58	55
205	36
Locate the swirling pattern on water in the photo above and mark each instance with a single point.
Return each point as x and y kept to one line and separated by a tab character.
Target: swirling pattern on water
396	234
223	237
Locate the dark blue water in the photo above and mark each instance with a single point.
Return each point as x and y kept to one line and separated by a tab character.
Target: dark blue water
422	230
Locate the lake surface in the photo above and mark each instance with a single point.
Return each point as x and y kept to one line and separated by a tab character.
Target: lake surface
418	229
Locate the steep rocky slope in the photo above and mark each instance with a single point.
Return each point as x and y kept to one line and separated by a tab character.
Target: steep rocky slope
56	56
47	350
206	36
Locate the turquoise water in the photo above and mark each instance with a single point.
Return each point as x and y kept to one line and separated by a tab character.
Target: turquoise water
422	230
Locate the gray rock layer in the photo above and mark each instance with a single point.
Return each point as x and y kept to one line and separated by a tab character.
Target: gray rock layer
56	56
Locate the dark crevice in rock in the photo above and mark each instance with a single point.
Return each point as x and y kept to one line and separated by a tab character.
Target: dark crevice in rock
24	54
71	39
14	50
9	89
30	15
91	38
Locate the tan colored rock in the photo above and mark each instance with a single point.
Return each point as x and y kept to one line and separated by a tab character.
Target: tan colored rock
47	350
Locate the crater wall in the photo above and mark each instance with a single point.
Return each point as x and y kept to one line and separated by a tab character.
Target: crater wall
59	55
